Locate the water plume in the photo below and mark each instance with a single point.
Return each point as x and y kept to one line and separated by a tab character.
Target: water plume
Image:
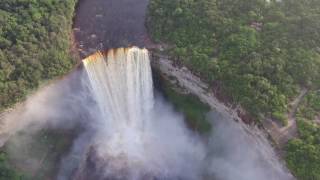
60	105
137	137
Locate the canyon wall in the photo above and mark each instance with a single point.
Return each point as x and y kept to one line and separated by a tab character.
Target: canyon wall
183	78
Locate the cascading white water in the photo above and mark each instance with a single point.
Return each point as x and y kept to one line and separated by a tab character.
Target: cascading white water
122	84
132	133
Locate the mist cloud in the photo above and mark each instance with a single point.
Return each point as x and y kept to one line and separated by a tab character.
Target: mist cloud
167	150
237	152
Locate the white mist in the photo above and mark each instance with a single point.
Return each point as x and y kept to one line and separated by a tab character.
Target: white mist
134	132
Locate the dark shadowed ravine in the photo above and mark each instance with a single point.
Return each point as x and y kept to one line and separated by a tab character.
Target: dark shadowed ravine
104	24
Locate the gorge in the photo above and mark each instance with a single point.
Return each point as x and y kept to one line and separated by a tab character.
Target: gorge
110	119
128	132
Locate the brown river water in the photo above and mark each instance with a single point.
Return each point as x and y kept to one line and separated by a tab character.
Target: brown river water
105	24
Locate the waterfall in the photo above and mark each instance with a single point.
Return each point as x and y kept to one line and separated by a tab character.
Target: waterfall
136	135
139	136
121	80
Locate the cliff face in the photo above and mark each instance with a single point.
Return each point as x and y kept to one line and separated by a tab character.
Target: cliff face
185	80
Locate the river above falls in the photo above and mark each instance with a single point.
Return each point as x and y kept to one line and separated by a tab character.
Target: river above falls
105	24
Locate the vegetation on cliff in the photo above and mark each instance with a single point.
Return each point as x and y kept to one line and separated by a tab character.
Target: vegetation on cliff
34	156
190	106
303	153
6	171
34	45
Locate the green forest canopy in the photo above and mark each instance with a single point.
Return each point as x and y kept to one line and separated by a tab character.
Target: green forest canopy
261	52
34	45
